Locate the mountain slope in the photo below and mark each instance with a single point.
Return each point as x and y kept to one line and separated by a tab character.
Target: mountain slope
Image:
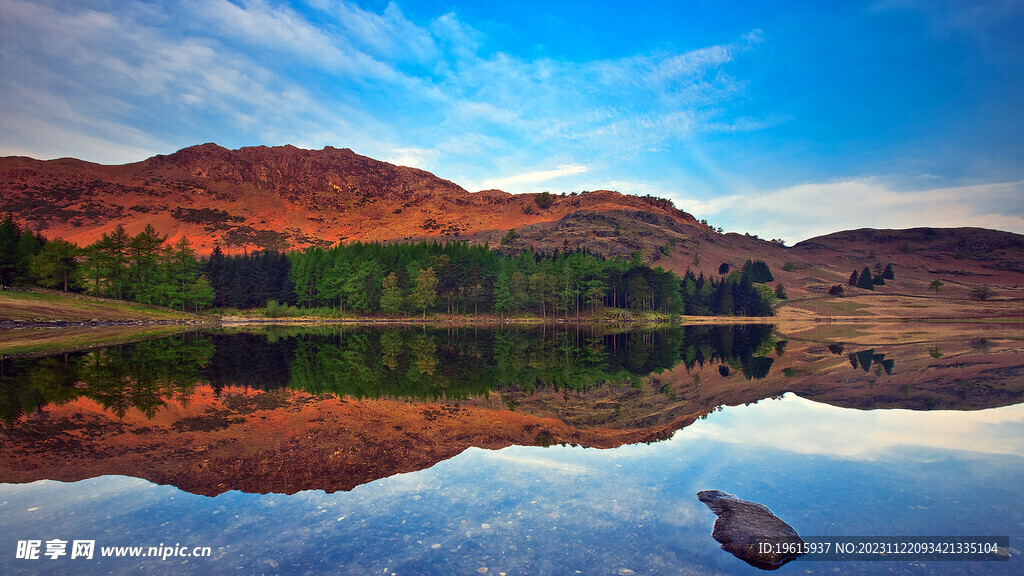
281	197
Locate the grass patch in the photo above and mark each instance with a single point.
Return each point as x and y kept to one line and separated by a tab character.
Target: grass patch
835	307
49	307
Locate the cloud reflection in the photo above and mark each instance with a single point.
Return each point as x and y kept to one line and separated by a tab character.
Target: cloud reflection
802	426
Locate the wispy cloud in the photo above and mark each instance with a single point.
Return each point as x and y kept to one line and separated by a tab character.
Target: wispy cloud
517	181
253	71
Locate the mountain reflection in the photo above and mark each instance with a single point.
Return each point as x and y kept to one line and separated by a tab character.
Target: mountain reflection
283	409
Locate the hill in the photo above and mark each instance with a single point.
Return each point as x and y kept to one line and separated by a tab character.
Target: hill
280	197
289	198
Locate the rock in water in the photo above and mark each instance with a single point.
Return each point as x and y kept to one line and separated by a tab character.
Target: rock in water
750	531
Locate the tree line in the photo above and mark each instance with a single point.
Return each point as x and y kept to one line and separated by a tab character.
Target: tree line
373	278
143	268
460	278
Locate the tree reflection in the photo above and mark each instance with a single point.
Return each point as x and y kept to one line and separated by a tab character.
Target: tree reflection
393	363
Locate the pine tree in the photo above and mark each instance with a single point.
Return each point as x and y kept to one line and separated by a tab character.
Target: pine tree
55	266
865	280
503	302
888	274
116	247
854	278
143	252
9	235
216	273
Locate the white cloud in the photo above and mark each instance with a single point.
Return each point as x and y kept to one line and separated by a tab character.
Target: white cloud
414	157
799	212
517	182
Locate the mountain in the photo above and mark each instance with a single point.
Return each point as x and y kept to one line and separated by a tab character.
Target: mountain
289	198
280	197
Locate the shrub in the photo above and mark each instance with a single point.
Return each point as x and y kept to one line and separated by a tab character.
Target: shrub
277	310
981	293
544	200
836	290
788	266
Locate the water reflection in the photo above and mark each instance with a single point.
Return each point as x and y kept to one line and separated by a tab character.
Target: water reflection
392	363
291	409
567	510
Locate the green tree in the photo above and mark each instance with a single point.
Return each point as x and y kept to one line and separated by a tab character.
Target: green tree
518	285
115	246
544	200
780	292
55	266
425	292
888	273
503	302
9	234
390	295
639	293
865	280
935	286
201	293
543	289
28	246
179	272
143	255
95	266
356	289
759	271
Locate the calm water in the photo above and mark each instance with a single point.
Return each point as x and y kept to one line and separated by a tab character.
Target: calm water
411	452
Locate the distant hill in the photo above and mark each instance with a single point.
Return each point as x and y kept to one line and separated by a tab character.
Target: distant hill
289	198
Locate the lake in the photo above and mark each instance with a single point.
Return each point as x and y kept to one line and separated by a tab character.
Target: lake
556	450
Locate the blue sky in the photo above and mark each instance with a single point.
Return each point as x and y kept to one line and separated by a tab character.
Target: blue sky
782	119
